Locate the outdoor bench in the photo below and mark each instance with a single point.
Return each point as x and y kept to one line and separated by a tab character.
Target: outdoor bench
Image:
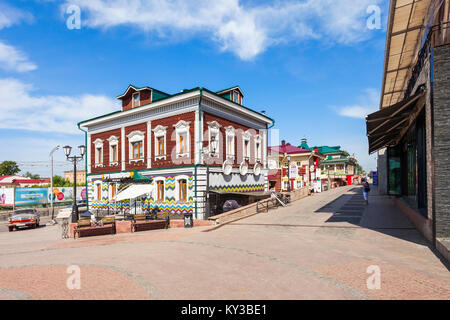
142	223
85	229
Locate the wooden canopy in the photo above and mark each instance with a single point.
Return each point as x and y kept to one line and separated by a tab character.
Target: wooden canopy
405	31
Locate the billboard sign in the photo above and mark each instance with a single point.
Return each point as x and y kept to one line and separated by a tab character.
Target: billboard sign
7	196
25	196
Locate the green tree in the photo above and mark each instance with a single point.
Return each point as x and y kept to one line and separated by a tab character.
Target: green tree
9	168
31	175
59	181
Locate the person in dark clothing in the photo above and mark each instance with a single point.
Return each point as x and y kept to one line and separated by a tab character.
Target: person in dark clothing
366	190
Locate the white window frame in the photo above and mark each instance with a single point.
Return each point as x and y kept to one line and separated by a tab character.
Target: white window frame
113	141
214	130
258	153
180	128
246	137
160	131
136	136
155	191
230	132
98	144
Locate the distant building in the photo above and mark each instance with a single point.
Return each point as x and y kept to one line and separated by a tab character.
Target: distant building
81	176
22	182
292	167
338	167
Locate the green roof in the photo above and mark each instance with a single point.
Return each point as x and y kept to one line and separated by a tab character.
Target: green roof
304	145
327	149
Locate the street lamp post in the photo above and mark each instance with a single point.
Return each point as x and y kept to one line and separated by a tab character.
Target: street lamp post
74	160
51	178
207	151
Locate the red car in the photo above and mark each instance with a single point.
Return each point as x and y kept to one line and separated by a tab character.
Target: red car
24	218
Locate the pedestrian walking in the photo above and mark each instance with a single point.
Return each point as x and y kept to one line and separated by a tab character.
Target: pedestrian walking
366	190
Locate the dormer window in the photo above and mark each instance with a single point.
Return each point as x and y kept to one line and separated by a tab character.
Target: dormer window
136	100
235	97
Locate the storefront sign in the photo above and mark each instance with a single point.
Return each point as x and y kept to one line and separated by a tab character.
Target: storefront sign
293	171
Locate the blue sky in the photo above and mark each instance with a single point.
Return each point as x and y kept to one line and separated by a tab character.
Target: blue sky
313	65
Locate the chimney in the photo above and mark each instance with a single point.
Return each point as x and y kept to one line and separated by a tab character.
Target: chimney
283	143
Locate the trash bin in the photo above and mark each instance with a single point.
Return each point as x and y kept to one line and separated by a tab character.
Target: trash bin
287	198
188	220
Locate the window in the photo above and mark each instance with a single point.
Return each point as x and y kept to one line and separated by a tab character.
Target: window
230	137
114	153
99	156
160	142
136	146
182	190
98	143
235	96
160	146
113	190
160	190
182	138
246	148
137	152
258	148
98	187
214	129
113	150
182	142
246	145
136	100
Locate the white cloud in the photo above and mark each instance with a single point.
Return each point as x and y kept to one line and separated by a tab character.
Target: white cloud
367	103
12	59
10	16
20	109
244	30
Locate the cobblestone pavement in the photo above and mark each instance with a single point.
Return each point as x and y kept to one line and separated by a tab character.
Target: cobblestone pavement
297	252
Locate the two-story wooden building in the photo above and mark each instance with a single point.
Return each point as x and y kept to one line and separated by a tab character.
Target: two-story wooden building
161	137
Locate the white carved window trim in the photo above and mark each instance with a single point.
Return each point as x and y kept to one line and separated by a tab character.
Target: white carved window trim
98	144
160	131
113	141
180	128
155	190
214	130
230	133
136	136
246	153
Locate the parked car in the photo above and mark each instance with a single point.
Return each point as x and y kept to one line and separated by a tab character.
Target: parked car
24	218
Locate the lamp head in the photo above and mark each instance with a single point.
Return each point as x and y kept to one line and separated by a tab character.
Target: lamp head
82	150
67	150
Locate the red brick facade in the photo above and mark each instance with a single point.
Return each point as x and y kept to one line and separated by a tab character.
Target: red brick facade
238	143
127	100
169	122
106	167
140	164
